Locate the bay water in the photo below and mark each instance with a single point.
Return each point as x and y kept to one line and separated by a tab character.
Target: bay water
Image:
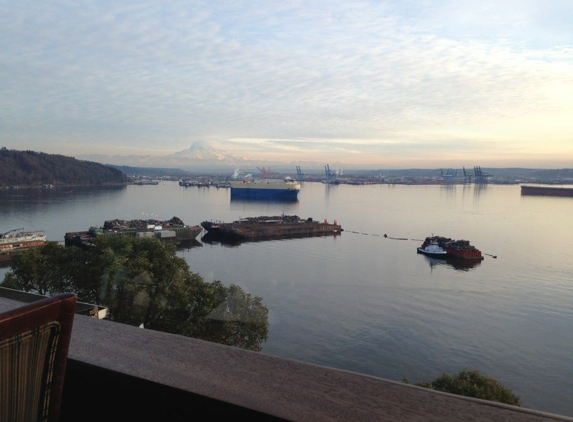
366	302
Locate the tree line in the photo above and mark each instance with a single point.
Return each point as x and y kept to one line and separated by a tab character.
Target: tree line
30	168
143	282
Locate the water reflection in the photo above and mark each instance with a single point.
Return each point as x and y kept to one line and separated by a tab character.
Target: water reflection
265	200
449	188
288	206
56	194
188	244
213	239
233	242
456	264
479	188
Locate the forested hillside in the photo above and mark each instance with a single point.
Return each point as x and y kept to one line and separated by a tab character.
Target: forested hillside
29	168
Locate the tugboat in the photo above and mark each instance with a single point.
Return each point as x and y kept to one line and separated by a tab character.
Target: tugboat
434	250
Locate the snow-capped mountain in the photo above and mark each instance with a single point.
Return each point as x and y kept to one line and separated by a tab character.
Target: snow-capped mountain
201	150
201	155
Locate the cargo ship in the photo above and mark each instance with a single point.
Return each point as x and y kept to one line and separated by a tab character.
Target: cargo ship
459	249
263	227
286	190
546	191
18	240
169	231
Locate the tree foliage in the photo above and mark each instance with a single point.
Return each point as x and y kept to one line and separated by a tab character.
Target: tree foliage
29	168
471	383
143	282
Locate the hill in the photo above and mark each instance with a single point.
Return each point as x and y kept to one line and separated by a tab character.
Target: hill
29	168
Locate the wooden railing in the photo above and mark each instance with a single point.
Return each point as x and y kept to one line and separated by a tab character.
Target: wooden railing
119	372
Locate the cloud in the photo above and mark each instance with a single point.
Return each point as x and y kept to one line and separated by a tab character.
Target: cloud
376	79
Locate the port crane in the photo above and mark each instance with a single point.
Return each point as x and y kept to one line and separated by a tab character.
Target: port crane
299	174
267	173
481	177
330	175
449	175
467	176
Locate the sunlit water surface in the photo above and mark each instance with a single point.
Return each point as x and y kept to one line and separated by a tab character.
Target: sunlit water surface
368	303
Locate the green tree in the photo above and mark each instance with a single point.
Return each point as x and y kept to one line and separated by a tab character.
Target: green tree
39	270
143	282
471	383
52	269
226	315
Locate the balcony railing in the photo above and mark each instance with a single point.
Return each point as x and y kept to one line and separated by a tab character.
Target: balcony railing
118	372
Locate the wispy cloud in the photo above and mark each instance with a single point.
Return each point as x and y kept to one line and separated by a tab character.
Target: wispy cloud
356	81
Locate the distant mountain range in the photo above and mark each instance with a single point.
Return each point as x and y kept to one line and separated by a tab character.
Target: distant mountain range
29	168
206	157
200	156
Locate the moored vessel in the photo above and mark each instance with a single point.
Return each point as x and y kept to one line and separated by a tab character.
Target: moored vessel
265	189
264	227
460	249
546	191
19	240
170	231
22	239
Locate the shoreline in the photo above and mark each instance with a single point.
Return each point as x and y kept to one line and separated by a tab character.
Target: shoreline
61	185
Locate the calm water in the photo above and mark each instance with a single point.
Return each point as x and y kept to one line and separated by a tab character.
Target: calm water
366	303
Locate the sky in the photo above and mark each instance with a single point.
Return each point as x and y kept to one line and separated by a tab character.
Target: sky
381	84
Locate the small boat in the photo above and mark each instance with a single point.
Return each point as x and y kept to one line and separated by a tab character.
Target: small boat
433	249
